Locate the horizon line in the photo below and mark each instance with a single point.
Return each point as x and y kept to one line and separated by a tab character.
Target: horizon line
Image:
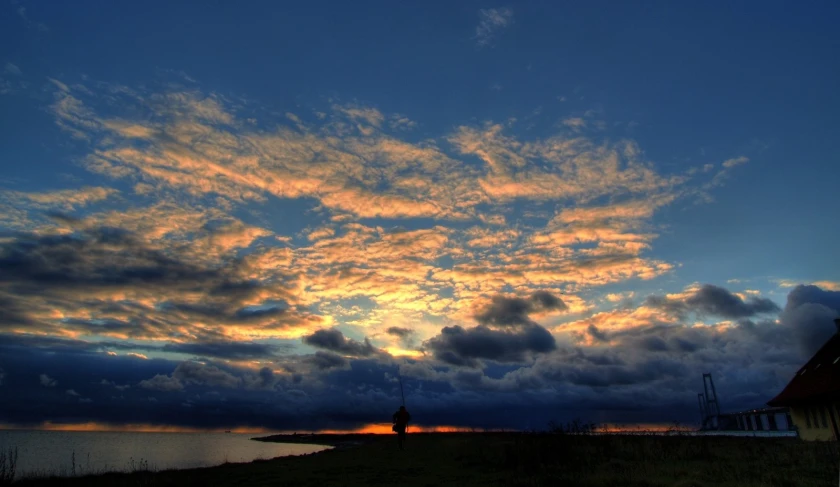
373	428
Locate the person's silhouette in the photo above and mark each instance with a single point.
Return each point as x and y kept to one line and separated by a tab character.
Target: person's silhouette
401	419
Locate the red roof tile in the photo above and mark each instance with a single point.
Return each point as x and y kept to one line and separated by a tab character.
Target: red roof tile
818	379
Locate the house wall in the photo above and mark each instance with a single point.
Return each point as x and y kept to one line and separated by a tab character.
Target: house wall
809	421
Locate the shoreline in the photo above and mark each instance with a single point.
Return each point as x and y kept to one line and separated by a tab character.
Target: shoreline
335	442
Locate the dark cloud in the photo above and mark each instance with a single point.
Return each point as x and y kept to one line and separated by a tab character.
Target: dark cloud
505	311
335	341
257	313
545	300
103	257
407	337
458	346
78	273
597	334
197	373
231	350
809	314
12	312
605	373
226	349
652	344
616	383
714	301
326	360
646	374
266	377
162	382
399	332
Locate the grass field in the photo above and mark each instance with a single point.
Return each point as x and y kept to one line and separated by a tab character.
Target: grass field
514	459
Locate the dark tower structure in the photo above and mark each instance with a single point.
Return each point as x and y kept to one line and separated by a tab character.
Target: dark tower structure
710	399
701	401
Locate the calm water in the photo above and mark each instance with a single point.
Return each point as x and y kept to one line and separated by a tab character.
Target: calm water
50	452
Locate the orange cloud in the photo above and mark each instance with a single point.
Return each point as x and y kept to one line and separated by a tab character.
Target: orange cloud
194	146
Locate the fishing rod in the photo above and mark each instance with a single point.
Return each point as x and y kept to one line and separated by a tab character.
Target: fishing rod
402	394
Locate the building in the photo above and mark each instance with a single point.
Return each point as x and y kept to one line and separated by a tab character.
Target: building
761	419
813	395
769	420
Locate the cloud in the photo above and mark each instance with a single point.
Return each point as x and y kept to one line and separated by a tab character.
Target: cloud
65	200
490	22
505	311
736	161
58	261
197	373
826	285
129	130
320	233
67	284
335	341
12	69
47	381
519	335
465	347
326	360
192	373
648	367
202	297
39	26
399	332
575	123
809	313
715	301
721	176
162	382
370	116
235	350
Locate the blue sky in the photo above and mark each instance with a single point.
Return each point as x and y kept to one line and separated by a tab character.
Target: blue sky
501	200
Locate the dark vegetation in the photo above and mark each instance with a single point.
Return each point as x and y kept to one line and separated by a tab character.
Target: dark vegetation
565	455
8	465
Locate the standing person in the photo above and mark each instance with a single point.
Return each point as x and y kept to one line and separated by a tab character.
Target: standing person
401	419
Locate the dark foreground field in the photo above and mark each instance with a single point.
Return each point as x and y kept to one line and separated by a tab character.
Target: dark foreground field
480	459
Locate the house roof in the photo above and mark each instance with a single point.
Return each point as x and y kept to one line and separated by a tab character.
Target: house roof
818	379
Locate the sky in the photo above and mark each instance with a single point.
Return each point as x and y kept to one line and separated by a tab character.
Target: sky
262	215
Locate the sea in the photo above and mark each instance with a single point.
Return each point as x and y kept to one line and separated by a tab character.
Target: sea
72	453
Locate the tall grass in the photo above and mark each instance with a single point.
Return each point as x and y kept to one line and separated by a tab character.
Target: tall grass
144	473
8	466
576	453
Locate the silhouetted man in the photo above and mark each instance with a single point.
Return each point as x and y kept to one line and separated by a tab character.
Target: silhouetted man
401	419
